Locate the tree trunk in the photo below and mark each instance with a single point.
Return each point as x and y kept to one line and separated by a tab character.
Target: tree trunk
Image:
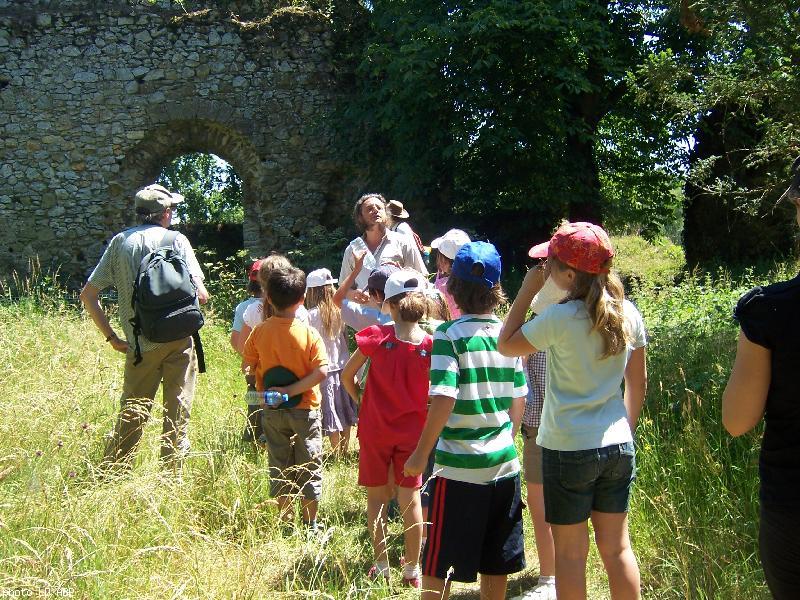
715	228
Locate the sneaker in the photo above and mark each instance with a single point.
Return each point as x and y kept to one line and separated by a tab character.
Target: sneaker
542	591
375	572
411	576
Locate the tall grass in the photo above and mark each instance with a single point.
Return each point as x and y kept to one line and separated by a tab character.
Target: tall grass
214	533
695	513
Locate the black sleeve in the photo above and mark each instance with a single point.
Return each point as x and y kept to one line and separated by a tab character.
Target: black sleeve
756	317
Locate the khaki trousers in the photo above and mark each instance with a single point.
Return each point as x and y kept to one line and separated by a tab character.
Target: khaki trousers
174	364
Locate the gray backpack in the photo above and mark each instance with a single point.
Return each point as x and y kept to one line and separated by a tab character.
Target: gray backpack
165	303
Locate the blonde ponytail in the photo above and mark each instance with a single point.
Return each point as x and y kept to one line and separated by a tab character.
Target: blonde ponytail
604	298
321	297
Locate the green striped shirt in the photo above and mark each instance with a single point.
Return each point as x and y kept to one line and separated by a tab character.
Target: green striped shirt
476	445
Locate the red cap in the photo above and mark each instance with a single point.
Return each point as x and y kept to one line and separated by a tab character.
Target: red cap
582	246
252	274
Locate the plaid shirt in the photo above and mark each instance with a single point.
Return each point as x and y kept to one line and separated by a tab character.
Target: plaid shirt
535	373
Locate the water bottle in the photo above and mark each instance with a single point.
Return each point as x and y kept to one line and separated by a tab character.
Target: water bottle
271	398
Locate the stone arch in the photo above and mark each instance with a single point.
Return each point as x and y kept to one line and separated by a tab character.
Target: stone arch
96	96
171	138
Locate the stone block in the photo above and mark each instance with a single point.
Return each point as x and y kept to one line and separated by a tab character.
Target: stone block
123	74
154	75
85	77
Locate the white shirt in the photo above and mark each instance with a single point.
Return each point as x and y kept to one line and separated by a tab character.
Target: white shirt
394	247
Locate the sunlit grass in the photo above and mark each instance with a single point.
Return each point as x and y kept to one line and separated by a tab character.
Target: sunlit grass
214	533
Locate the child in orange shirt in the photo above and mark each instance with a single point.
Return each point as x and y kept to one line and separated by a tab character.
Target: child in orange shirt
286	355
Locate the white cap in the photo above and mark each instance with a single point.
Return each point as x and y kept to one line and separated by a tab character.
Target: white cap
319	277
450	243
404	281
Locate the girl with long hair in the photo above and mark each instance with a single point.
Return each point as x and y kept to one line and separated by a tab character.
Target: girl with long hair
338	409
594	340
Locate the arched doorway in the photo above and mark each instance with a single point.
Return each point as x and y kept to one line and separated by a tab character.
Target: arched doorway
212	213
161	145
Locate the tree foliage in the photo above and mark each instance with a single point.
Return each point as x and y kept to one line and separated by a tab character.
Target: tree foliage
212	189
727	71
507	112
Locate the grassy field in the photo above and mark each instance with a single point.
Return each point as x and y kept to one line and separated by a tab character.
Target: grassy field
67	533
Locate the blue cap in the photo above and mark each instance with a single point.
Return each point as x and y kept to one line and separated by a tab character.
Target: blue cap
477	253
377	277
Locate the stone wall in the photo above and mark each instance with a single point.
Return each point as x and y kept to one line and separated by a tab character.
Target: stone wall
97	96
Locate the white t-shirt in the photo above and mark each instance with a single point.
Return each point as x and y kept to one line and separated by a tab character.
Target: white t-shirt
583	404
360	316
238	313
405	229
252	314
394	248
336	347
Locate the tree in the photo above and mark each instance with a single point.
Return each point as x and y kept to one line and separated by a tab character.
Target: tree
505	111
729	73
212	189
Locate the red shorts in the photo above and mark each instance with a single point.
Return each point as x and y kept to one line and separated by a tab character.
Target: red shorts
374	458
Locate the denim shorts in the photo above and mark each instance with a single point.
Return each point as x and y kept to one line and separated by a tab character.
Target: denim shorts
580	481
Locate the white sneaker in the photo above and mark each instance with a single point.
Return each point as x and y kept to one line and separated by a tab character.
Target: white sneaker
542	591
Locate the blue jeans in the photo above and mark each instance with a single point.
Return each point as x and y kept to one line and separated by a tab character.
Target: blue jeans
581	481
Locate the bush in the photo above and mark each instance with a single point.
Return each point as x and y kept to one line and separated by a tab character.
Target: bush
659	263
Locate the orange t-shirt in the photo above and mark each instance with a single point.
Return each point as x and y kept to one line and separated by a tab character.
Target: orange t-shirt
288	343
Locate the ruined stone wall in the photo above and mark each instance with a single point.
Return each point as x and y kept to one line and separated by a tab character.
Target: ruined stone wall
97	96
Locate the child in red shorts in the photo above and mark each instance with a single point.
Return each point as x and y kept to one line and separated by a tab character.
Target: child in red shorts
392	415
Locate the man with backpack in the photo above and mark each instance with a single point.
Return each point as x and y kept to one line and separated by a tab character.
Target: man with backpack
159	285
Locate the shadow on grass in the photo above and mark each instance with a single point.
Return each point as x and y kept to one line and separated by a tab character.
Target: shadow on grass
516	587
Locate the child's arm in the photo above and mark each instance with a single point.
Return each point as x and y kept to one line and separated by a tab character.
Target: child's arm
511	341
346	285
349	372
635	385
438	413
516	413
248	366
242	338
303	385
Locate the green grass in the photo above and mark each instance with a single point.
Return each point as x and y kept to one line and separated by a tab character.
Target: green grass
214	534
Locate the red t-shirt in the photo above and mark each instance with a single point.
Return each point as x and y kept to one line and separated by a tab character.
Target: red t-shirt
395	401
